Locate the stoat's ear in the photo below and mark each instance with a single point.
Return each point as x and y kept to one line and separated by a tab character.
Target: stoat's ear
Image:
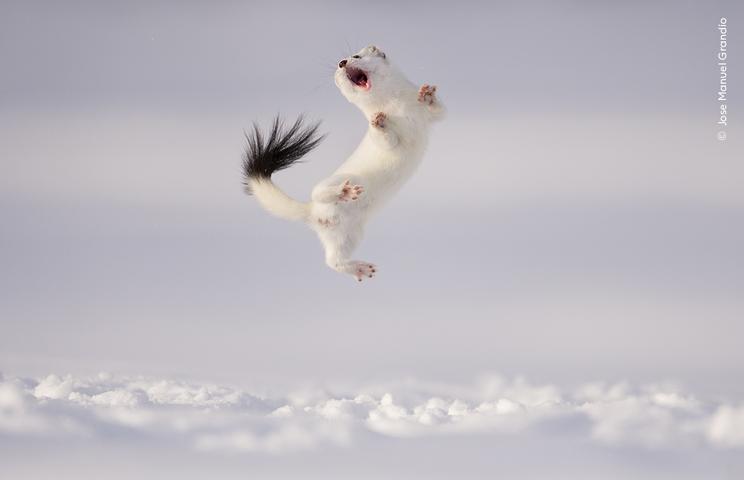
376	51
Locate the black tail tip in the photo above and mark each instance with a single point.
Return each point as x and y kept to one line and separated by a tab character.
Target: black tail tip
278	149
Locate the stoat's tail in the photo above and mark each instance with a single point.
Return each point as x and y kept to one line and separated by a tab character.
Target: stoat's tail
264	156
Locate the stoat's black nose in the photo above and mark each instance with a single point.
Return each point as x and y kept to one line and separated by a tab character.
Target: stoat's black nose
342	64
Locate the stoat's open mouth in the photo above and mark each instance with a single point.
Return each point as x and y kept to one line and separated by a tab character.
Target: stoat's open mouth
357	77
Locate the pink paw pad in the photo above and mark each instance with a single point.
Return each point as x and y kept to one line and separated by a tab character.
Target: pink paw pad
378	120
362	270
426	94
327	222
350	192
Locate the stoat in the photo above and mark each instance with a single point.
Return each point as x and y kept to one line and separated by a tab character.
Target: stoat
399	115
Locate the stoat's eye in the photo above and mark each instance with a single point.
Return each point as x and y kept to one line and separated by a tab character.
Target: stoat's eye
355	56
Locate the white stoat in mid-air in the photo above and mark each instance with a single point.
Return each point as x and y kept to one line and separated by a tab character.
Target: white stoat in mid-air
399	115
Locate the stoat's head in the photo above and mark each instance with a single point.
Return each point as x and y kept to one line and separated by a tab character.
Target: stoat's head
366	78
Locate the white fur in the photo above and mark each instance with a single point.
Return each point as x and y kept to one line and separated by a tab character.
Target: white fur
383	161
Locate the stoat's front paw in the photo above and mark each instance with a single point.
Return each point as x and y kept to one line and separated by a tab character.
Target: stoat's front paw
378	120
427	94
328	222
350	192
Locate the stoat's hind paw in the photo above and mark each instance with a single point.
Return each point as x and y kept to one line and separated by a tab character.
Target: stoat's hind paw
362	270
350	192
427	94
378	120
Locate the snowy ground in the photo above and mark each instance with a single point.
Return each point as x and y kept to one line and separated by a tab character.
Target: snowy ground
657	423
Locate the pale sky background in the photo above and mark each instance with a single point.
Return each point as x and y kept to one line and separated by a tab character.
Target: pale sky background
575	221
